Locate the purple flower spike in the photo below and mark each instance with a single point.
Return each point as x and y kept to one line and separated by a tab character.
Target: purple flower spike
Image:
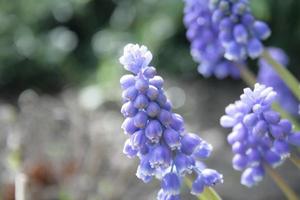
208	42
223	34
247	33
157	135
259	137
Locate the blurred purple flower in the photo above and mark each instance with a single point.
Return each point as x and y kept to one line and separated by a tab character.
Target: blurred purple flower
269	77
223	34
234	19
206	48
157	135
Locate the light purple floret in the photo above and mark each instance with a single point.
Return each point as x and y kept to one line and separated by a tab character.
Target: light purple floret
135	58
156	134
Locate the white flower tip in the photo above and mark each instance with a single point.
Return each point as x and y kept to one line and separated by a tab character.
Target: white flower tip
135	57
227	121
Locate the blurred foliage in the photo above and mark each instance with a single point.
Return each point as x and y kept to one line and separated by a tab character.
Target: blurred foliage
52	44
284	20
46	44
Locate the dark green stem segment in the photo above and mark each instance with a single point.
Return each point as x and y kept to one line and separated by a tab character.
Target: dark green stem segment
280	182
208	193
284	74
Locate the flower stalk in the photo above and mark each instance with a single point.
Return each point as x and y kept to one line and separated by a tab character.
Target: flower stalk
247	76
280	182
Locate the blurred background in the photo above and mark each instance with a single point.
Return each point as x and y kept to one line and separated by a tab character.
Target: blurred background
60	95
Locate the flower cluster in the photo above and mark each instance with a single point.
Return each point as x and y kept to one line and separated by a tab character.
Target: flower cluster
259	136
223	33
156	134
206	48
269	77
238	31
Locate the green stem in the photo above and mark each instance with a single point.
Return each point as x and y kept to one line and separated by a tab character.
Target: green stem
295	160
249	78
280	182
208	193
212	193
285	74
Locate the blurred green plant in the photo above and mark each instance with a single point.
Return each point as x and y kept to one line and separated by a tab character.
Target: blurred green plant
46	44
52	44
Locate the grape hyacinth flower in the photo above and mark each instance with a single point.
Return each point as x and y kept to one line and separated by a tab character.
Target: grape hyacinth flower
239	32
206	48
156	134
259	136
269	77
